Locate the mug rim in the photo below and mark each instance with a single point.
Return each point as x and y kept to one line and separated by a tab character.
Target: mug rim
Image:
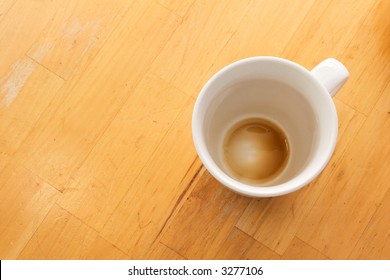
246	189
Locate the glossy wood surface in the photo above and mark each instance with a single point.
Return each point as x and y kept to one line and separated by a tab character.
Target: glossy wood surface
96	152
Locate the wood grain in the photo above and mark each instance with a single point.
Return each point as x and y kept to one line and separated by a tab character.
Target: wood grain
323	32
205	20
299	250
77	33
375	240
126	146
96	153
179	7
162	252
262	34
205	220
16	37
5	6
156	192
368	81
61	234
239	245
80	119
361	170
26	200
22	103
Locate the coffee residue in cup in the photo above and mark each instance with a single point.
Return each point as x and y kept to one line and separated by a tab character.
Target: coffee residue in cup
255	150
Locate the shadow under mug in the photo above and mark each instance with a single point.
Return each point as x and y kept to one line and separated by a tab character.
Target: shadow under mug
297	100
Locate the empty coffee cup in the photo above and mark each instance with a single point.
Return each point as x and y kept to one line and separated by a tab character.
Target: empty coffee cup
247	110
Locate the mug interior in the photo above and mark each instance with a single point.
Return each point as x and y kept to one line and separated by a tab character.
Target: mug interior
279	91
271	100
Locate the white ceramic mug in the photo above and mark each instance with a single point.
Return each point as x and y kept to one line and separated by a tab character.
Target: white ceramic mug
297	100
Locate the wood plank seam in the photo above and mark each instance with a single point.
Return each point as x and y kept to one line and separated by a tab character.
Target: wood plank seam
352	108
173	12
113	245
43	180
176	201
380	96
173	250
104	129
125	100
37	62
98	234
141	170
104	42
315	249
255	240
47	213
32	128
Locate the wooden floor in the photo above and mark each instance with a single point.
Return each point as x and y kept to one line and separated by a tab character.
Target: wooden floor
96	152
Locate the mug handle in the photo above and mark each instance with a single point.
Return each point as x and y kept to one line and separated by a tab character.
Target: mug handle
332	74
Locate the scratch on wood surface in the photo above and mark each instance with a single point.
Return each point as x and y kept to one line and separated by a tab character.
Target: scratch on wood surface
12	83
177	205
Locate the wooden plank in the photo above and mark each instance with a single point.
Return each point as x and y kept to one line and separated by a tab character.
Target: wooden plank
93	100
25	201
77	33
190	52
101	249
5	6
162	252
205	220
358	184
368	79
276	223
62	236
262	34
101	182
299	250
25	92
326	31
240	246
127	181
179	7
156	192
20	27
374	243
